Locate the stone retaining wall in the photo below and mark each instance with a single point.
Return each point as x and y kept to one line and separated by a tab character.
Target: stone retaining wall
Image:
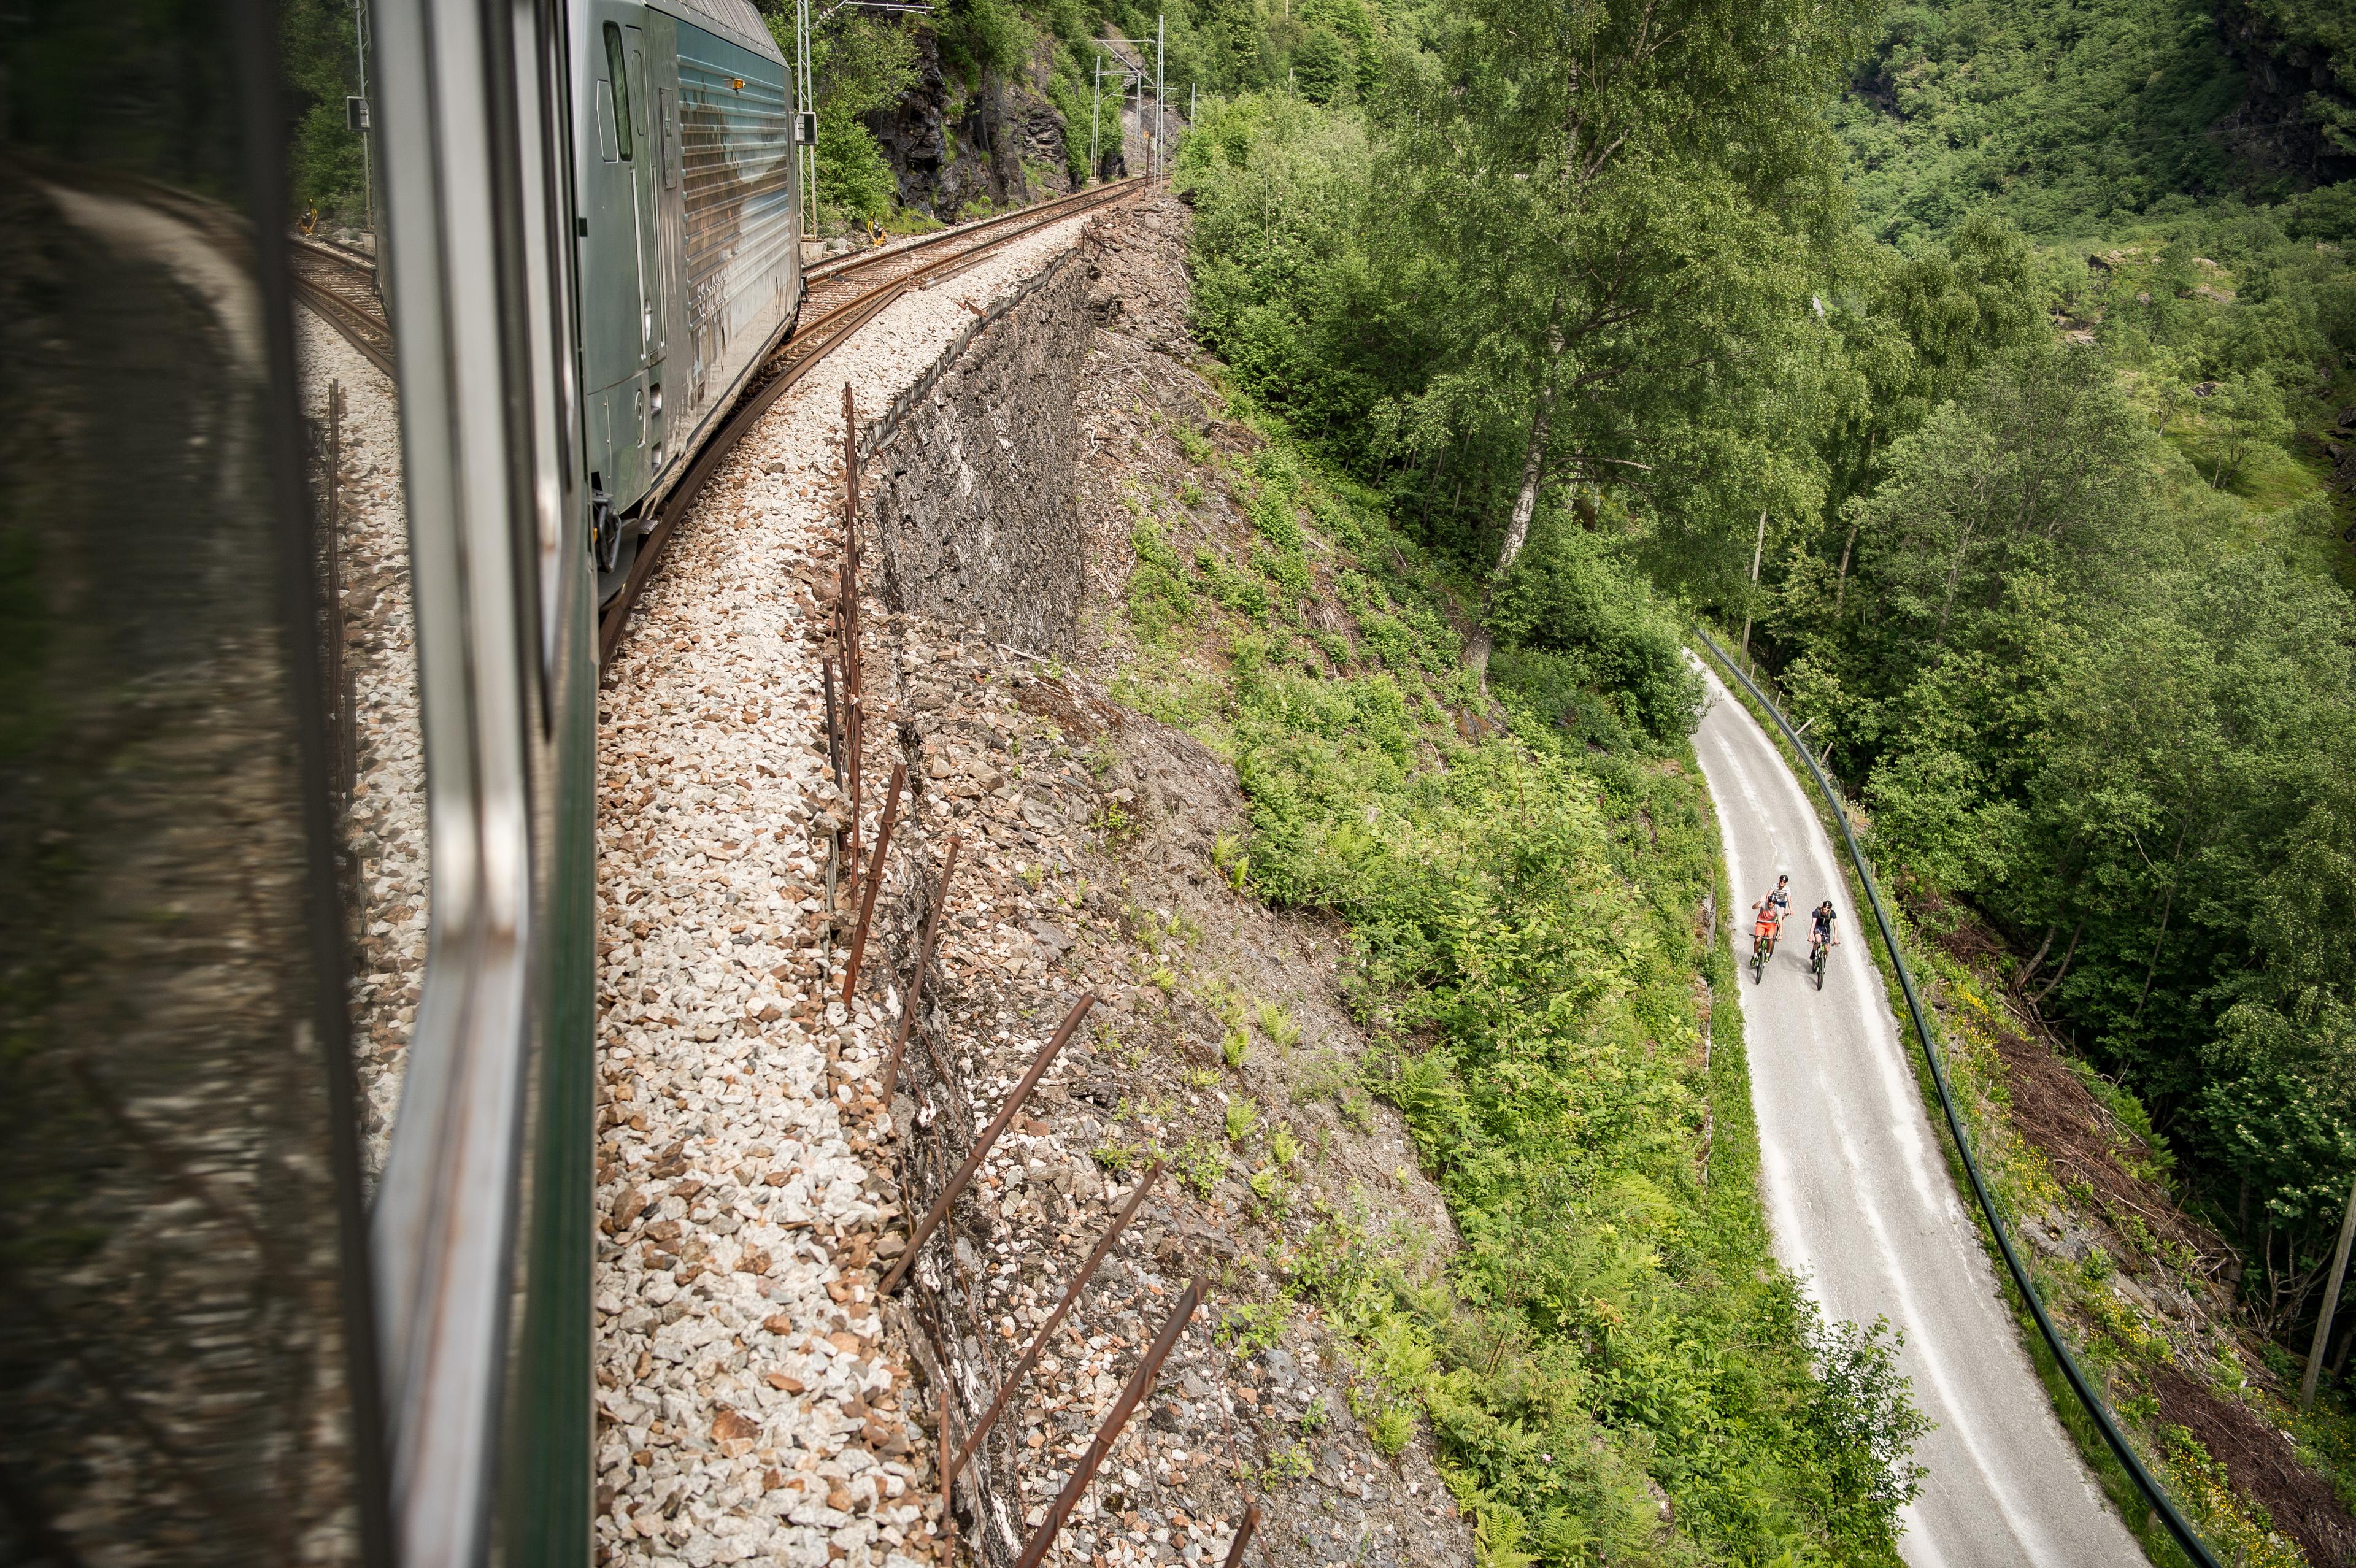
969	488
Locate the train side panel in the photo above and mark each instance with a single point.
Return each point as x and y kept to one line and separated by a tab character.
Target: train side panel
743	230
689	245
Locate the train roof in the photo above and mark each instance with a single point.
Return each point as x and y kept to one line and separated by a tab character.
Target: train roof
736	20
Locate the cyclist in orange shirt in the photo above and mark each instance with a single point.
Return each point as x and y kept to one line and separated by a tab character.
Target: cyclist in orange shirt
1769	923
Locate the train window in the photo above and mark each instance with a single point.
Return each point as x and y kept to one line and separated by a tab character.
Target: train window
617	69
184	1341
606	151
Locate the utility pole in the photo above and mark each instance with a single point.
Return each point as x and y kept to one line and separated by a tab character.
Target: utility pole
2331	1300
1158	126
367	177
805	104
1757	550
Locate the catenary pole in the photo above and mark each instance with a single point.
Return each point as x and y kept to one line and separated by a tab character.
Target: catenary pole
2331	1300
804	92
1157	95
368	177
1095	118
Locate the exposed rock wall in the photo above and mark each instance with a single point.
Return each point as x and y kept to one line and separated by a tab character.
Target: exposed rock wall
952	143
969	482
2301	92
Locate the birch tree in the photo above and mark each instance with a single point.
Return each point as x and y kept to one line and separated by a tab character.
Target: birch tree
1627	199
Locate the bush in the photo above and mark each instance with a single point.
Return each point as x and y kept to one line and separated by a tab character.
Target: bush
1570	597
2328	213
1282	290
852	178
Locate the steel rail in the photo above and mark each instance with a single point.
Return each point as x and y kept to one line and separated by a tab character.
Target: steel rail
795	358
354	323
2186	1537
857	261
359	262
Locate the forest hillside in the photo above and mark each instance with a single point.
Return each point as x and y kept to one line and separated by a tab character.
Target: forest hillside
1988	370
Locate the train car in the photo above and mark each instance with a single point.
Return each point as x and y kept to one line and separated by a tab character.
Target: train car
688	235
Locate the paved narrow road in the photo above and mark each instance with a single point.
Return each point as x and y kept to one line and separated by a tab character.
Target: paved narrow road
1861	1204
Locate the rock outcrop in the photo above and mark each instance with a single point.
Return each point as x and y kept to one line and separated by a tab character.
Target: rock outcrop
954	144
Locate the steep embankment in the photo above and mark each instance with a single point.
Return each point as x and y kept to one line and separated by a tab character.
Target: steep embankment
1593	1338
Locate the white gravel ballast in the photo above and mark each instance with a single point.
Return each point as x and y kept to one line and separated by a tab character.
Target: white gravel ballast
751	1407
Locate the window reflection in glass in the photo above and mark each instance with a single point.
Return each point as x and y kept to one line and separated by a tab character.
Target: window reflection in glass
182	1306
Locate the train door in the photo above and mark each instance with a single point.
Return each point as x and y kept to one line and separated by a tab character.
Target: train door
647	179
617	309
669	182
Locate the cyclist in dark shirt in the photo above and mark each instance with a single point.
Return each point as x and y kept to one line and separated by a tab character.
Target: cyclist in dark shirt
1820	933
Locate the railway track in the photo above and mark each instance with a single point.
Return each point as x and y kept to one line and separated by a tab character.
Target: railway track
843	296
340	285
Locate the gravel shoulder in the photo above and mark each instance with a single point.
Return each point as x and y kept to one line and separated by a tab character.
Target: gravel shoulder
751	1406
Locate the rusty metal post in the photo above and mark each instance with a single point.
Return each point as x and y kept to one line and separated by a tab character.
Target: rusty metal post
1015	1099
1139	1382
869	883
1246	1528
850	501
834	726
948	1502
916	981
854	661
857	806
1071	1297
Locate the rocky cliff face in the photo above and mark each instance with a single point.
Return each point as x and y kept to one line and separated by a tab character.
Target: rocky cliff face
2298	88
953	144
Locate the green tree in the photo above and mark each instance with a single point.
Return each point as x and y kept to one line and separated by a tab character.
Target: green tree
2246	411
319	58
860	65
1324	68
1623	200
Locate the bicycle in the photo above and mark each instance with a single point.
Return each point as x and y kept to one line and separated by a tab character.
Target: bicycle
1817	952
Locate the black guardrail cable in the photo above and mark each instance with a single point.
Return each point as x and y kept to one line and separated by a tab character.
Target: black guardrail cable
2154	1493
